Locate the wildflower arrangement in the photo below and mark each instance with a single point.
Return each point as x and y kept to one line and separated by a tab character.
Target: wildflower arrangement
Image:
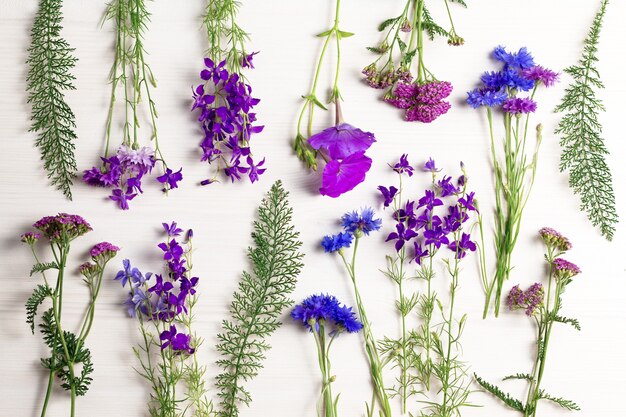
342	147
356	225
55	129
124	169
262	296
224	99
514	177
423	96
583	149
163	306
70	359
543	306
326	318
430	229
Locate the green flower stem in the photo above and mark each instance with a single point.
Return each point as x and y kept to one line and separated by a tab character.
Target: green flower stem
421	74
376	366
327	401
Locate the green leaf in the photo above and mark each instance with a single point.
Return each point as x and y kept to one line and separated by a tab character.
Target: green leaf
407	59
432	28
567	320
401	44
504	397
325	33
375	49
34	301
526	377
42	267
261	298
567	404
385	24
342	34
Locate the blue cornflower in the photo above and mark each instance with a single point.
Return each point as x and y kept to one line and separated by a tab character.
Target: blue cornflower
486	97
326	308
508	77
521	59
129	273
333	243
364	221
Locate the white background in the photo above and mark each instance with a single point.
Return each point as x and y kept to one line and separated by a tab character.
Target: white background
588	367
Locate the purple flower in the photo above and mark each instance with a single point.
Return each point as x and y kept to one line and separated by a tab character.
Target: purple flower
342	176
419	253
171	178
62	225
246	61
564	269
333	243
388	194
429	166
255	170
553	238
521	59
517	105
543	75
435	236
30	237
427	113
103	251
468	202
363	222
234	171
129	273
429	200
445	187
342	141
461	246
179	342
173	250
529	300
401	236
122	198
403	166
160	287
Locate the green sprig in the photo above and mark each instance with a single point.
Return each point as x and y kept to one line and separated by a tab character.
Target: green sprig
51	59
583	149
262	296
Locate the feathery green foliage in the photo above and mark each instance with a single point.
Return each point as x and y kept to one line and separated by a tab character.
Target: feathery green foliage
261	298
583	149
34	301
50	60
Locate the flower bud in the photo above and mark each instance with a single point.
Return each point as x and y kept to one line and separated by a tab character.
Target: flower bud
30	238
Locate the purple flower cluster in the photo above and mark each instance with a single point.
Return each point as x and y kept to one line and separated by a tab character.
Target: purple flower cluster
30	238
355	224
519	73
529	300
162	297
124	172
564	269
103	252
381	79
554	239
420	222
344	149
422	102
325	310
62	226
225	103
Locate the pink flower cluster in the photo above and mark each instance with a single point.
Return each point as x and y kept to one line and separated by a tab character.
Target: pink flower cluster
422	102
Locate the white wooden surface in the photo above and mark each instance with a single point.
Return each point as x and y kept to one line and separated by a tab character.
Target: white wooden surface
588	367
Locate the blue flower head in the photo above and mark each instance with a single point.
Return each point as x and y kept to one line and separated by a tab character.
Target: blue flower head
363	222
521	59
326	308
333	243
486	97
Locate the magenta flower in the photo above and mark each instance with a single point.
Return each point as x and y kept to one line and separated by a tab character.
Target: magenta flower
517	105
342	141
544	75
342	176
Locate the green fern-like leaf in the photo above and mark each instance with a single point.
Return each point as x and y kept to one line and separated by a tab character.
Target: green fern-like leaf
526	377
432	28
583	149
42	267
506	398
34	301
262	296
80	355
50	60
567	320
567	404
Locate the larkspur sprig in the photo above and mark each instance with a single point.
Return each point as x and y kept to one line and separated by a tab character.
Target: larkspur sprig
427	353
542	305
224	99
342	147
583	149
124	169
261	298
69	360
51	59
326	318
515	175
356	225
423	97
163	305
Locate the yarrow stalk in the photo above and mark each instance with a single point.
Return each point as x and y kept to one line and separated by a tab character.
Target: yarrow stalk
357	225
326	318
163	306
224	99
428	357
342	147
514	178
123	170
543	306
423	96
69	360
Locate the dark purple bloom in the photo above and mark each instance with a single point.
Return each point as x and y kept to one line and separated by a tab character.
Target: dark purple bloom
172	250
235	170
342	141
430	166
160	287
388	194
461	246
255	170
446	187
564	269
543	75
429	200
172	230
467	202
179	342
401	236
435	236
62	225
419	253
122	198
553	238
403	166
342	176
171	178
